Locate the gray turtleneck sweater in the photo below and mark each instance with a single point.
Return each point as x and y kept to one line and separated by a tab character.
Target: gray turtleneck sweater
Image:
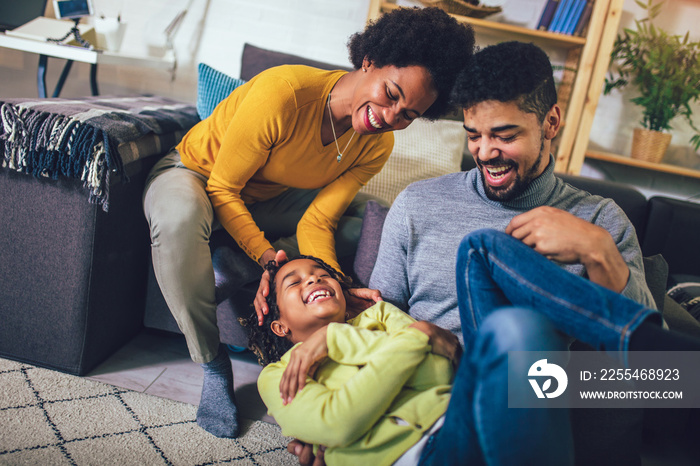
415	268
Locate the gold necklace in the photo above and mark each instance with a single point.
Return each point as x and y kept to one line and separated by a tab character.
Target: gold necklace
330	115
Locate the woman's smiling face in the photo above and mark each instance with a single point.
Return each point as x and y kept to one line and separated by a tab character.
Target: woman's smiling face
308	298
390	98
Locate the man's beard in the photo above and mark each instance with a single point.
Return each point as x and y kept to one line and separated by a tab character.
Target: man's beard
519	185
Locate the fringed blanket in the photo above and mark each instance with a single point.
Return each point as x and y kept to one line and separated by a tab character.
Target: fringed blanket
90	139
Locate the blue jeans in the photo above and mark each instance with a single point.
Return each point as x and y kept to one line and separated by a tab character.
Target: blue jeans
496	270
494	273
479	427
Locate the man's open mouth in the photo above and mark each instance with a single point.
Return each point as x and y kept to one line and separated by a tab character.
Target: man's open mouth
498	172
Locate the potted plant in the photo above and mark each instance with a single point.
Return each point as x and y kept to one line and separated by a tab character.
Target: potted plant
666	70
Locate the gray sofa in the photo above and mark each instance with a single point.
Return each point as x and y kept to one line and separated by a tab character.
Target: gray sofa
73	275
662	225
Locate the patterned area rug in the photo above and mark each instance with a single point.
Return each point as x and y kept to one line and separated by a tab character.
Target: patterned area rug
51	418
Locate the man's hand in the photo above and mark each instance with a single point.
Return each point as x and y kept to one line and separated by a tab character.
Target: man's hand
260	303
444	342
305	453
303	361
359	299
561	236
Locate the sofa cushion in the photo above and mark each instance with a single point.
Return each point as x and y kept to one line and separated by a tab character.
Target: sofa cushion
687	294
254	60
656	275
631	201
370	236
672	230
423	150
213	86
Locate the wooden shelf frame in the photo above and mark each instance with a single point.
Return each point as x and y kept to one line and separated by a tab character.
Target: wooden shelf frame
630	162
590	54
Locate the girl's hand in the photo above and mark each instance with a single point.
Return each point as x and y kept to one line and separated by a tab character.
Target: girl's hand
444	342
260	301
304	361
359	299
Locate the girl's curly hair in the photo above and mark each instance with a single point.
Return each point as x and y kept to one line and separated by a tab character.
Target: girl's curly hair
426	37
266	345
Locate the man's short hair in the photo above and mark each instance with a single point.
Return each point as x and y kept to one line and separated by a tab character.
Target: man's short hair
507	72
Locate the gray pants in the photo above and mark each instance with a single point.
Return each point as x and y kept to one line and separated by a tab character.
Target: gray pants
181	219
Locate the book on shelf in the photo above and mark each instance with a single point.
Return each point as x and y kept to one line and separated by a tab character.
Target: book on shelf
547	14
574	16
583	21
560	15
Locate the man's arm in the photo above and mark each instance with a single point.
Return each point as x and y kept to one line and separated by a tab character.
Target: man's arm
390	273
608	247
563	237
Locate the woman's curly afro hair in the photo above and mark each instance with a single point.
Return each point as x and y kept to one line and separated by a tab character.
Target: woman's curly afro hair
266	345
426	37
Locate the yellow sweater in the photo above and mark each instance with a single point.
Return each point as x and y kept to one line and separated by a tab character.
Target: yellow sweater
378	370
265	138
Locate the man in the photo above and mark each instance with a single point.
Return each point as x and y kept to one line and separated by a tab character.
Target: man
511	117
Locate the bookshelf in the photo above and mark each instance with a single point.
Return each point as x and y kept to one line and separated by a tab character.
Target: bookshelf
587	60
630	162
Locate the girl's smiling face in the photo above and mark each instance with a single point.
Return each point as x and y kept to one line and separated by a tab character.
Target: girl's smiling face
308	298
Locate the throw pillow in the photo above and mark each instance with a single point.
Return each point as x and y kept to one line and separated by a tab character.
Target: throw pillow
368	245
656	274
255	60
213	86
687	294
423	150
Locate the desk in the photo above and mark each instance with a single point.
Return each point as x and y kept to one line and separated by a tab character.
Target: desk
71	53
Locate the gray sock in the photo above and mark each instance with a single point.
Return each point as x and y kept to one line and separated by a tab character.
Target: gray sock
217	412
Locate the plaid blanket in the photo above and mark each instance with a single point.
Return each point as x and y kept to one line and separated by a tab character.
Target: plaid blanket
90	139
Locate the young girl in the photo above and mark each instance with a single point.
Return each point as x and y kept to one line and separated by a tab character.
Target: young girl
377	370
381	381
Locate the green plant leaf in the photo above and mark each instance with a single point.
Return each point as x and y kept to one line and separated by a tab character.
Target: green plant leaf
665	69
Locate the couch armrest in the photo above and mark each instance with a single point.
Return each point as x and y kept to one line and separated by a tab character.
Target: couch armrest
672	230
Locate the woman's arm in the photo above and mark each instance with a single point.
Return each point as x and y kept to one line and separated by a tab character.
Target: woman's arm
256	126
316	229
339	417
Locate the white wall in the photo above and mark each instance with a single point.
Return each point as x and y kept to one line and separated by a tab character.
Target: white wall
213	31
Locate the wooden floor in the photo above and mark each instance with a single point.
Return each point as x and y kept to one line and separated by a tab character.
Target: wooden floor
159	364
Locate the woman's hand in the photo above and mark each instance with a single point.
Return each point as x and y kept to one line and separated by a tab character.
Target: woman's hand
260	301
444	342
359	299
305	453
304	361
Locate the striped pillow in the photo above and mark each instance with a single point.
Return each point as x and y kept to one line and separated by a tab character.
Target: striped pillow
423	150
213	86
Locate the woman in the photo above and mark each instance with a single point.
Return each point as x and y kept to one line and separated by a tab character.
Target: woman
286	154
